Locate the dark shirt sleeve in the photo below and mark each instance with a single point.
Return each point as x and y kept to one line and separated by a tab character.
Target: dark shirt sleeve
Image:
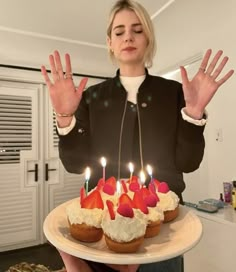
74	147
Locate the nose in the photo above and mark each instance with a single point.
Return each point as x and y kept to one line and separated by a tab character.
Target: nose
128	37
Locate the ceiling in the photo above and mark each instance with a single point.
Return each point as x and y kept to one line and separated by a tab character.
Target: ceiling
31	30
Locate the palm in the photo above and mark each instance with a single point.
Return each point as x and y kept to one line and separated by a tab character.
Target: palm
199	91
65	97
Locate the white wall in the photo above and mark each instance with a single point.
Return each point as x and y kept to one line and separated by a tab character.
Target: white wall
186	28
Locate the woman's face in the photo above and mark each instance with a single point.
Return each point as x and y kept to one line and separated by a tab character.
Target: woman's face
128	41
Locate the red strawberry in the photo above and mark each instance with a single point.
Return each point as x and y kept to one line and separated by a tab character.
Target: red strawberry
133	179
108	189
151	200
139	202
145	192
134	186
152	187
82	195
92	201
125	210
156	182
100	184
163	187
125	190
125	199
110	207
112	182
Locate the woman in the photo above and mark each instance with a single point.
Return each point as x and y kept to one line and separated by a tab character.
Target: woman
133	116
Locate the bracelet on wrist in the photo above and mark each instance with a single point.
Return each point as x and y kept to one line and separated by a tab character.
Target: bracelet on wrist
64	114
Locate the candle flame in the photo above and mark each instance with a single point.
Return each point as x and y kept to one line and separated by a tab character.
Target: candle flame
131	167
87	173
118	187
149	170
103	162
142	177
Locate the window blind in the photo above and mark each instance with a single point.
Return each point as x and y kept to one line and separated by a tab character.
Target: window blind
15	127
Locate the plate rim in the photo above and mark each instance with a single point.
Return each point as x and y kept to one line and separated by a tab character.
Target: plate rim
82	250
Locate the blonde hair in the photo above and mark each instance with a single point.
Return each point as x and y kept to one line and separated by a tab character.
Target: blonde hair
146	22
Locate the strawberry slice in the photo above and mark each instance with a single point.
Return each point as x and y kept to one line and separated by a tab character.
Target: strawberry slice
151	200
163	188
82	195
125	210
139	202
125	190
134	186
125	199
110	207
100	184
108	189
92	201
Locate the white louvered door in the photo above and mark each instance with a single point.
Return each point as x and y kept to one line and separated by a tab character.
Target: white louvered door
32	178
19	164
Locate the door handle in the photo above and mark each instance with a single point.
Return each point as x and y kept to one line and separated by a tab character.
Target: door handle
47	171
35	172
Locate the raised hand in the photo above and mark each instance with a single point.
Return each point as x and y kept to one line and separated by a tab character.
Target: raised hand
199	91
65	97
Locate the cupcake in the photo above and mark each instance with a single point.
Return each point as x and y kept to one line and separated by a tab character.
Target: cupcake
124	228
108	190
169	202
85	217
155	215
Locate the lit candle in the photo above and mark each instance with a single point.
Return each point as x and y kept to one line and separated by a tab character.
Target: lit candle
118	187
149	170
142	178
103	163
131	169
87	177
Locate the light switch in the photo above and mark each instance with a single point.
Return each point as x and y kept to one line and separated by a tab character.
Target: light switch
219	135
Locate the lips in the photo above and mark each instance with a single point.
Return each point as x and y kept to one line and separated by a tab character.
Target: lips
130	48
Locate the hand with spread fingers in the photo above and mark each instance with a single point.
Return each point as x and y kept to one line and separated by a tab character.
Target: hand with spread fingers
199	91
65	97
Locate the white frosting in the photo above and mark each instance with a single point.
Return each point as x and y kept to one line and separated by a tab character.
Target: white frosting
155	214
78	215
124	229
168	201
112	198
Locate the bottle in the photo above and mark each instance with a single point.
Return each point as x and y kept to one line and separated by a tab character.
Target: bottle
234	195
227	192
221	197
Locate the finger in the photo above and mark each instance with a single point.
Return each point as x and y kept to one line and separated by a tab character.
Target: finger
58	64
55	75
184	76
214	62
220	67
81	87
225	78
205	59
68	73
46	77
82	84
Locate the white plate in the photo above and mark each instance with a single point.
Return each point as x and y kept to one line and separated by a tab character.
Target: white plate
174	239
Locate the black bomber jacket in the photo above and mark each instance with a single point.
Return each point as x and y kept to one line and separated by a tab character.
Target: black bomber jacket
169	144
